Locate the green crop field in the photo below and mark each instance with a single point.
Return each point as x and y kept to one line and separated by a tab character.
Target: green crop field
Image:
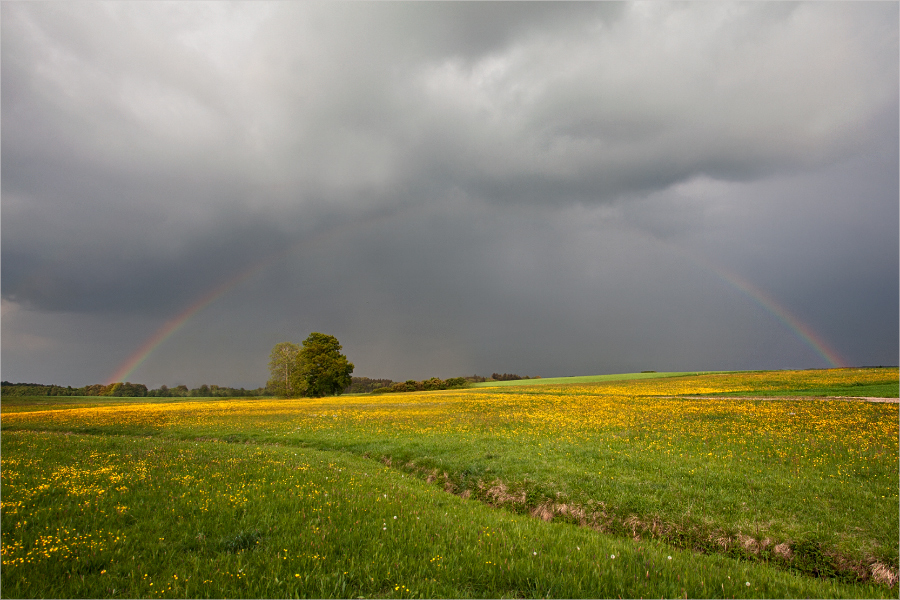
589	378
754	484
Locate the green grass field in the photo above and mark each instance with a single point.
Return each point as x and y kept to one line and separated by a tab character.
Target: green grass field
590	378
563	490
835	389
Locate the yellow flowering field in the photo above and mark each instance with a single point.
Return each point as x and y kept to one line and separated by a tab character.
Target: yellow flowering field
108	516
702	462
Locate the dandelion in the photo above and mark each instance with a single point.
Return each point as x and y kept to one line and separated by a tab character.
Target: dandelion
535	553
612	555
668	558
748	584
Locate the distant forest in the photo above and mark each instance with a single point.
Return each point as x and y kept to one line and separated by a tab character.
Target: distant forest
364	385
358	385
128	390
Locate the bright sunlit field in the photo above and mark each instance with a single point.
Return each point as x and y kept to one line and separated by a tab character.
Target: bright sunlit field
731	484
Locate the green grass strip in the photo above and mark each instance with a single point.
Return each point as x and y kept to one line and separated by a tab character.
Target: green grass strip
592	378
109	516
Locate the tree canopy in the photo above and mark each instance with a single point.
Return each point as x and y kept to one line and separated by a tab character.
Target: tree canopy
316	369
325	371
284	373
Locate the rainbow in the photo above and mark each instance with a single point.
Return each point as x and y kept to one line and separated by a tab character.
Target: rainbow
800	329
171	326
124	371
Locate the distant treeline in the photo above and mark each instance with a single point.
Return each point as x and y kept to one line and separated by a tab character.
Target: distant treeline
499	377
127	390
364	385
358	385
510	377
421	386
207	391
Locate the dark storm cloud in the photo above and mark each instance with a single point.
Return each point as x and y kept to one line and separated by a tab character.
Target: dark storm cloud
452	183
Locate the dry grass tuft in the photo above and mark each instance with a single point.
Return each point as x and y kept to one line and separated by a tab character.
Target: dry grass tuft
498	494
883	574
543	512
750	544
784	551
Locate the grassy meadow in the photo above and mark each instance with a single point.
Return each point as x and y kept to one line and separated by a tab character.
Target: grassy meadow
698	485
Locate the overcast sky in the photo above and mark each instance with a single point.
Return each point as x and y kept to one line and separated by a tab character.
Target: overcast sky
546	189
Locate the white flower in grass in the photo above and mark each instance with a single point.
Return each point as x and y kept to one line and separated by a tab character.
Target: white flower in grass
748	584
535	553
669	557
612	555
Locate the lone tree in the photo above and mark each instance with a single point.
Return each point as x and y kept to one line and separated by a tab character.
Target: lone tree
322	367
284	374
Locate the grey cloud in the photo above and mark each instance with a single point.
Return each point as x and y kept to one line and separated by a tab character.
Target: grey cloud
331	108
453	183
112	274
